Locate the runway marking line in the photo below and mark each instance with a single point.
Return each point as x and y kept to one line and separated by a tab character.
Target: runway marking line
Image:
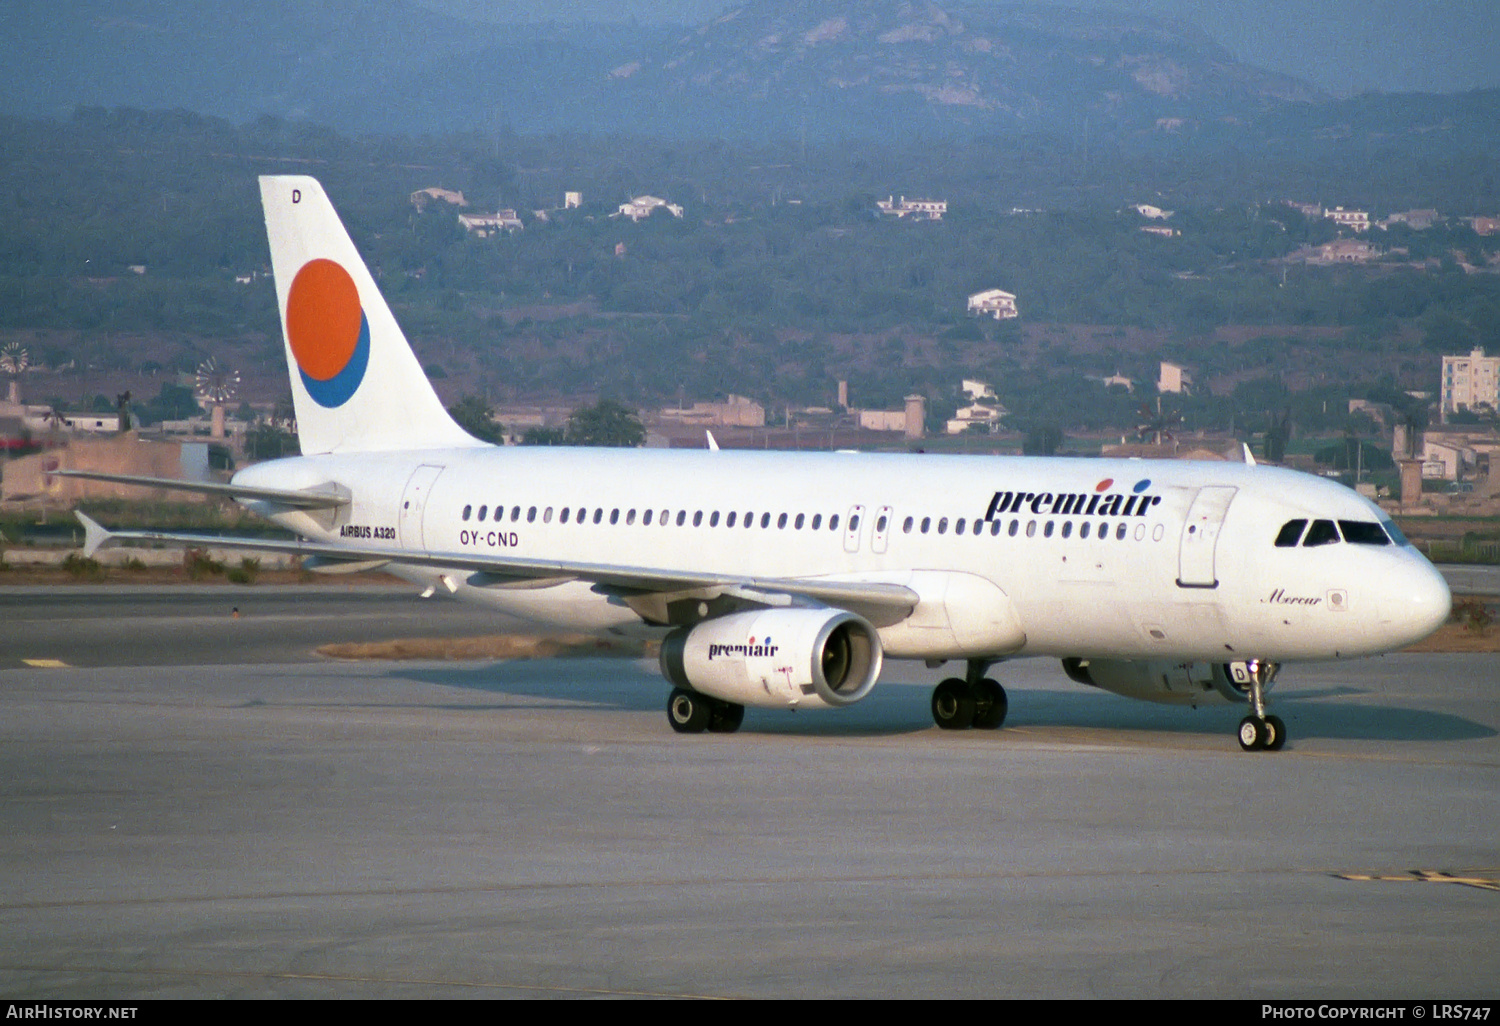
46	664
1486	882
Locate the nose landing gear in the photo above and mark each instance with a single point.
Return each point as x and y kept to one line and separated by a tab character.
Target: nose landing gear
1259	731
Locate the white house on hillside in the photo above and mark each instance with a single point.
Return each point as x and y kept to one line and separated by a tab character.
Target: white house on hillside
916	209
995	303
645	206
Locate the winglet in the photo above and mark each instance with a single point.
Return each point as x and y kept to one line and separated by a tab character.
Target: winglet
1249	456
95	536
713	443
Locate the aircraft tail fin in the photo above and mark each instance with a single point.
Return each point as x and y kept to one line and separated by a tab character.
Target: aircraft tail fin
356	384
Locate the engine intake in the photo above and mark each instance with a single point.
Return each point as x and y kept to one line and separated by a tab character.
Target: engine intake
777	658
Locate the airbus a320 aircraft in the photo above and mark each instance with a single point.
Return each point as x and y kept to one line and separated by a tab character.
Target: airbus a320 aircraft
782	580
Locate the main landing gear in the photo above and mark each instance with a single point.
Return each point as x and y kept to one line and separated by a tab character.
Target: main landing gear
975	701
1258	731
691	712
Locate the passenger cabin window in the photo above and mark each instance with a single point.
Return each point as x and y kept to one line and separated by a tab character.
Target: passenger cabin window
1362	532
467	511
1290	532
1322	532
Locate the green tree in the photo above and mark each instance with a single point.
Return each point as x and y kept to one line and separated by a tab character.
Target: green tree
605	423
475	416
544	436
269	442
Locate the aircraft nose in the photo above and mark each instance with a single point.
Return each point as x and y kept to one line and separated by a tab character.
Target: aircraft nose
1415	601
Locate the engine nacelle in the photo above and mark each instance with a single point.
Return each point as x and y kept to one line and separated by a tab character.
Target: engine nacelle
777	658
1163	680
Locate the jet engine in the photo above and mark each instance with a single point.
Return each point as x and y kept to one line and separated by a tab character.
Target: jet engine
776	658
1162	680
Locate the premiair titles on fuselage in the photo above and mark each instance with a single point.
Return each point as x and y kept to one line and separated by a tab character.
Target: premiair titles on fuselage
1102	503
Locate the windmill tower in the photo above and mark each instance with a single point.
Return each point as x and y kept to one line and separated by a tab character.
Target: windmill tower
13	361
216	386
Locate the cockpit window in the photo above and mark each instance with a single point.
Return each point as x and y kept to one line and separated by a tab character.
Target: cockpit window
1290	532
1322	532
1395	532
1362	532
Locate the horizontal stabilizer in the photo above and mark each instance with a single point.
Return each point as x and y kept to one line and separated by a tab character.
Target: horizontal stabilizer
95	537
326	497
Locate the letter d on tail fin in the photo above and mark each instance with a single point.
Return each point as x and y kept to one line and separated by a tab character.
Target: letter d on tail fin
356	384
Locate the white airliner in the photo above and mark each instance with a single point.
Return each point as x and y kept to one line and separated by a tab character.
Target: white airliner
782	580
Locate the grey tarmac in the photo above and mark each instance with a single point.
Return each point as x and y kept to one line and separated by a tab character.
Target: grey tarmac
294	826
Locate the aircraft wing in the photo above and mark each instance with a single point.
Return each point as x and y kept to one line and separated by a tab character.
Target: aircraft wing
891	601
315	498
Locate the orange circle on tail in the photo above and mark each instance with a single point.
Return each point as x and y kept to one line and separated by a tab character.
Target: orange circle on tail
323	318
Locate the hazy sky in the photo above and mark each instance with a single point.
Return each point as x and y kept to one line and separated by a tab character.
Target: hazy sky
1344	46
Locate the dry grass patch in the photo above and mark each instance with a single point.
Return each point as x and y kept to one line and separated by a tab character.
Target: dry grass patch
494	646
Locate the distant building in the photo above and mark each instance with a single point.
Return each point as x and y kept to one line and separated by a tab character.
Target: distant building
1485	225
1160	229
572	200
93	423
422	197
995	303
1358	220
916	209
1470	382
1146	210
485	225
916	416
984	410
1306	209
1418	220
882	420
1119	379
737	411
1344	251
645	206
1448	457
1174	378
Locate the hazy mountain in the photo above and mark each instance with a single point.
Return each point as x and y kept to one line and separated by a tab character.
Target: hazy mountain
814	68
978	65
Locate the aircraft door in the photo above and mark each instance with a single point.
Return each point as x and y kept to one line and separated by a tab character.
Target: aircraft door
852	528
414	503
1200	537
882	533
